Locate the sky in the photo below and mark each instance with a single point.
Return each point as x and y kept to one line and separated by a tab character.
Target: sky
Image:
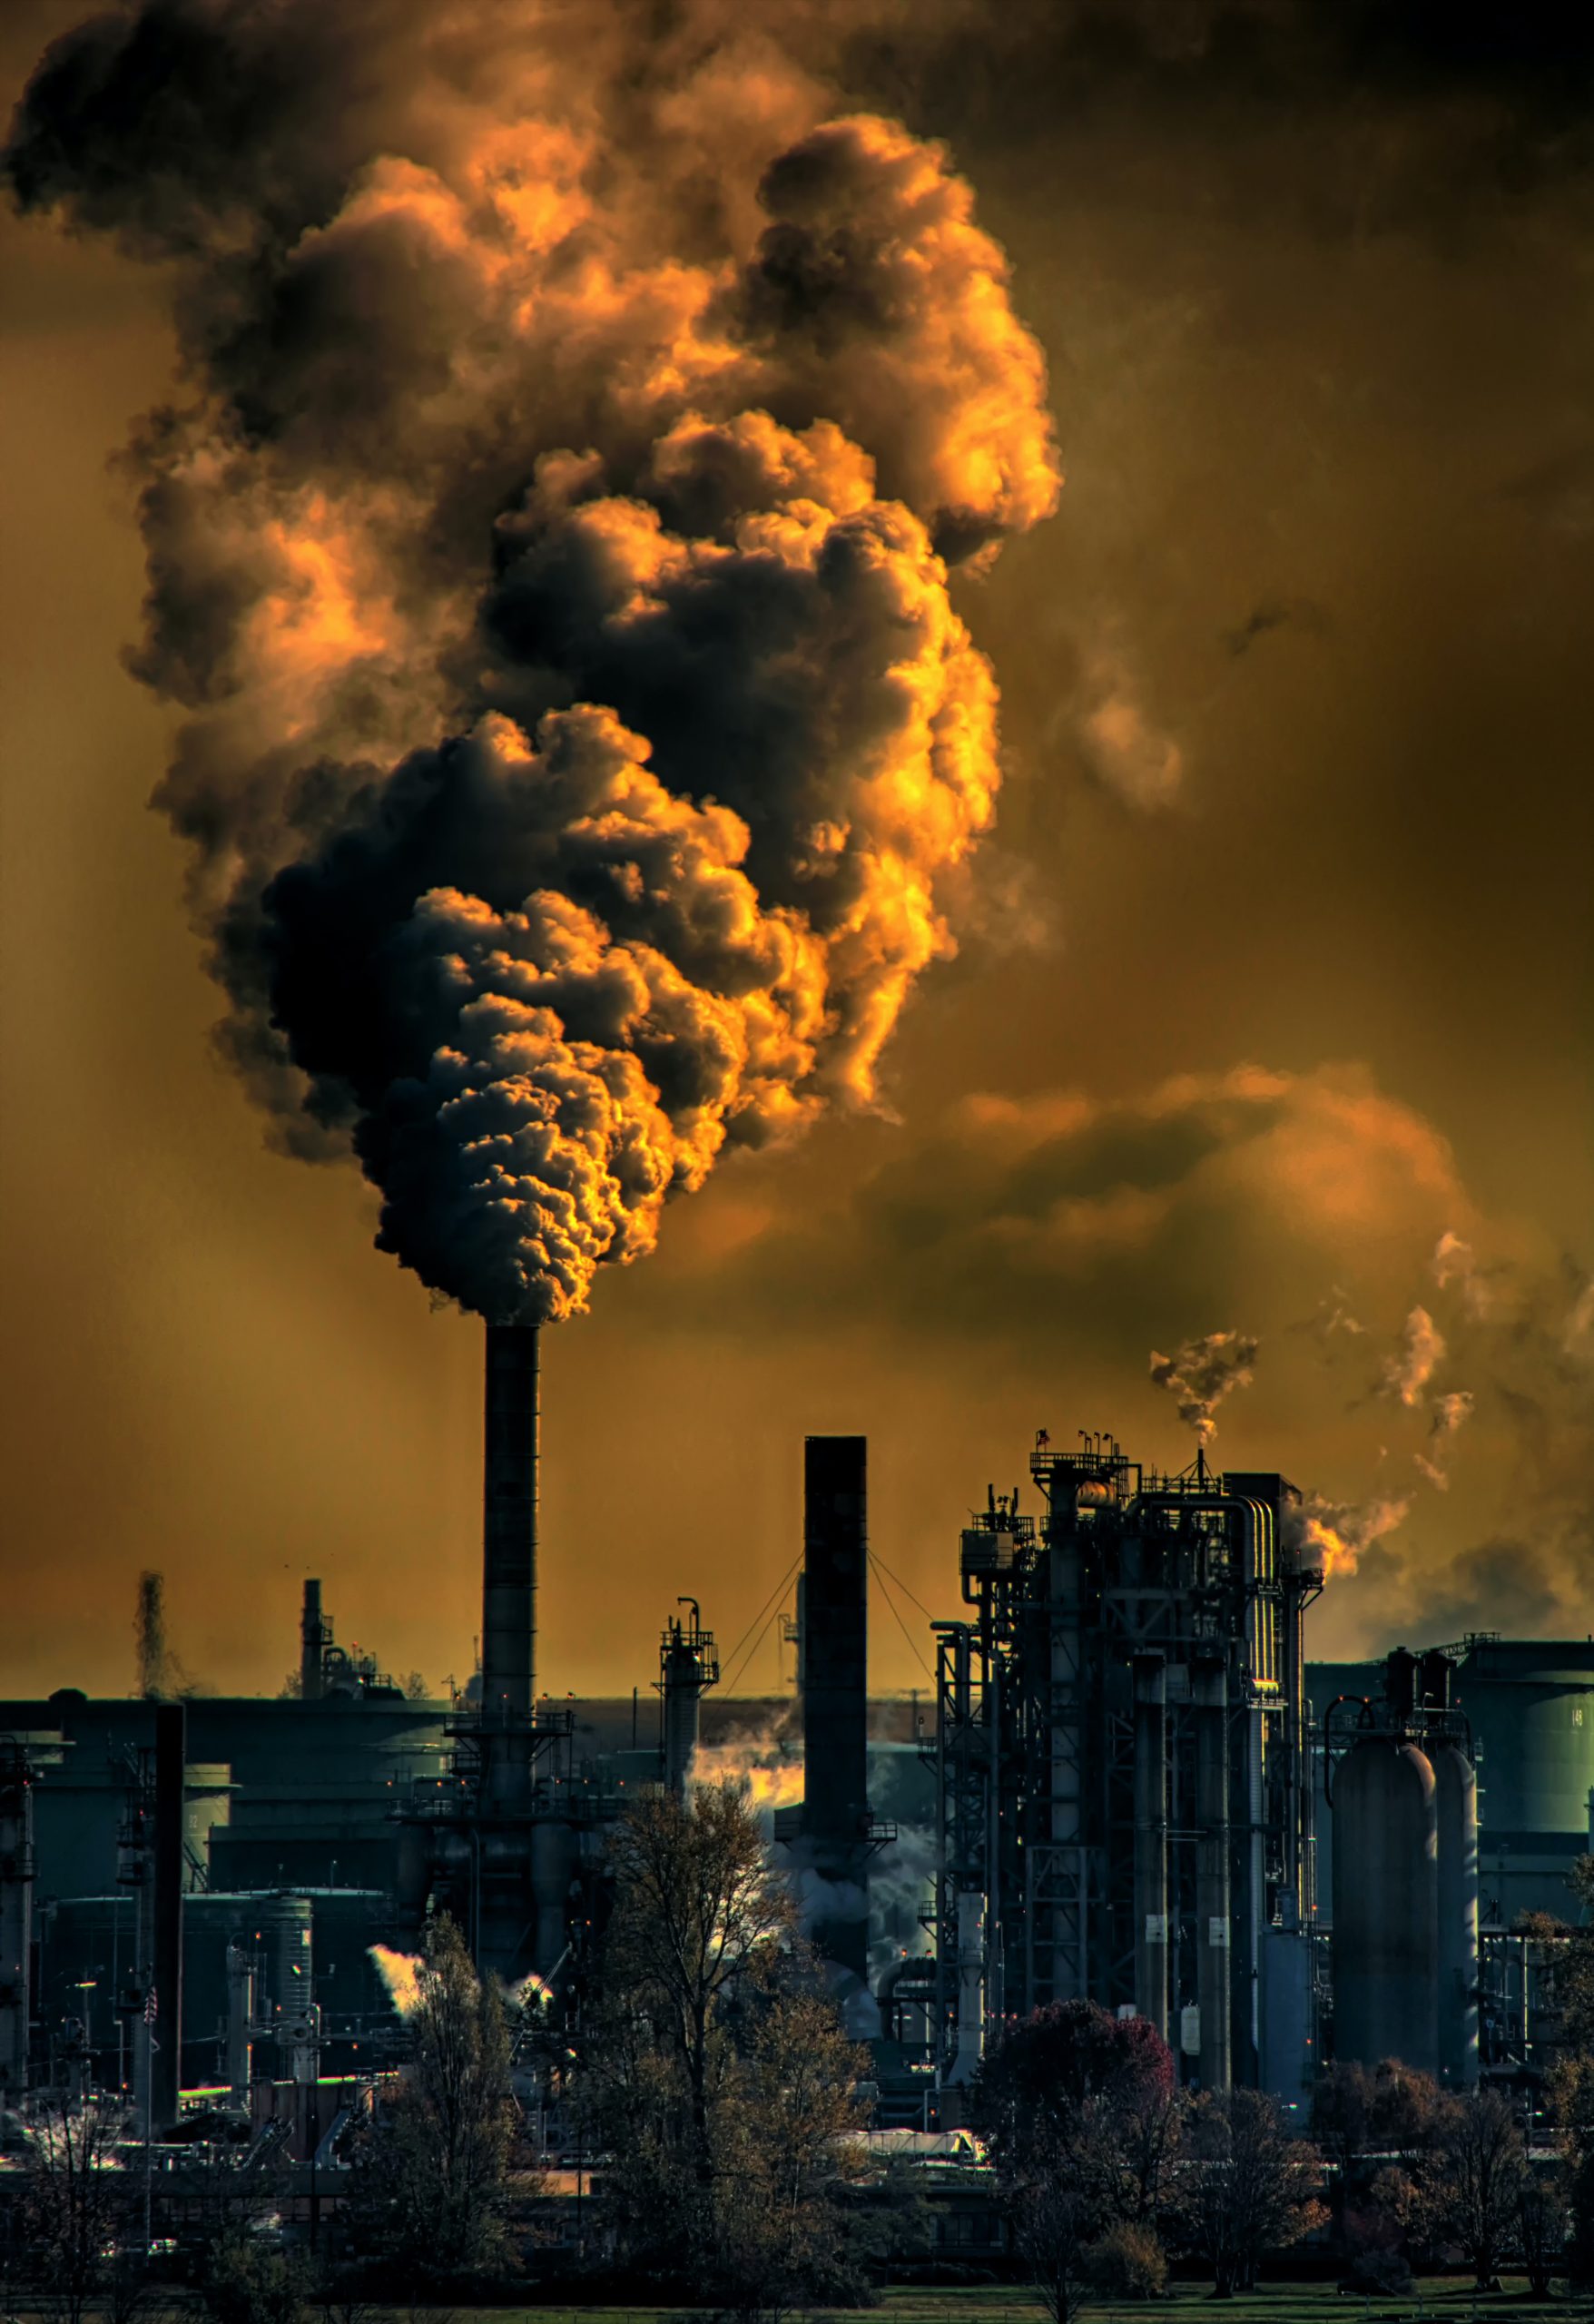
1270	1008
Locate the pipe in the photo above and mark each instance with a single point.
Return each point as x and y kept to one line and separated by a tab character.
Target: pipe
312	1637
240	2022
1151	1841
1209	1692
509	1511
971	2047
166	2066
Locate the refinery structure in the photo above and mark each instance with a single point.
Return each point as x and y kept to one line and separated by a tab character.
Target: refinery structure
1128	1784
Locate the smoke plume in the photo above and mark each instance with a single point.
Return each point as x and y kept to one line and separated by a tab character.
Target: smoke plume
1406	1373
1201	1372
551	556
1333	1535
401	1973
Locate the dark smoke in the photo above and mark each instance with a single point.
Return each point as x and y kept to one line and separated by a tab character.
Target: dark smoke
552	555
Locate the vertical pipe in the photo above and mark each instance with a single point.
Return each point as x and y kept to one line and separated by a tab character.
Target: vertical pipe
1209	1690
971	2046
1070	1962
509	1513
166	2071
1151	1841
1456	1817
835	1706
240	2022
311	1639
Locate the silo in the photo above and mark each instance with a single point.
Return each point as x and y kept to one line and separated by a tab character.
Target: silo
1386	1905
1456	1806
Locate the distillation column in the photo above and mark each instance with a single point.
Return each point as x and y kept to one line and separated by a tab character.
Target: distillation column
1151	1841
1209	1690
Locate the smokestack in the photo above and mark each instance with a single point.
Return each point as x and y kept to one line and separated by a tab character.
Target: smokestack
835	1710
166	2065
508	1563
151	1631
312	1637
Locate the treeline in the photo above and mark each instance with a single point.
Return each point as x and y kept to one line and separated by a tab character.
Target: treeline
716	2101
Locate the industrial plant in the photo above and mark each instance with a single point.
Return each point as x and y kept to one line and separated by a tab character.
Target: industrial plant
1127	1784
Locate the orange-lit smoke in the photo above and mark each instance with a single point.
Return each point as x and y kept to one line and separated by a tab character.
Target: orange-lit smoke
553	559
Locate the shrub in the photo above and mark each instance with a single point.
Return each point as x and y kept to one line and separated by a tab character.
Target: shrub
1128	2263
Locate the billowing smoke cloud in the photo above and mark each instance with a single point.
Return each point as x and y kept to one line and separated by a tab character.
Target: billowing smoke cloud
1203	1373
553	559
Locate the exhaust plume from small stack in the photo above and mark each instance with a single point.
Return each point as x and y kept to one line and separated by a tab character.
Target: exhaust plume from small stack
551	552
1201	1372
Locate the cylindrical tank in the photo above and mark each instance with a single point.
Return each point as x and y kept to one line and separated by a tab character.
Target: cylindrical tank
1530	1703
1456	1806
1386	1905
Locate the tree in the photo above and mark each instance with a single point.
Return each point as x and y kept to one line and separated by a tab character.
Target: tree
1571	2097
720	2082
245	2282
1542	2225
1082	2118
1482	2170
79	2204
1247	2188
1363	2116
432	2173
701	1921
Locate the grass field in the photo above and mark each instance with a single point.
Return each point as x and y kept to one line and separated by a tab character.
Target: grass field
1433	2300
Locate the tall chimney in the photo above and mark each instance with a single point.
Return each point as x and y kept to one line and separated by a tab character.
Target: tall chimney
835	1707
166	2066
151	1632
508	1618
312	1637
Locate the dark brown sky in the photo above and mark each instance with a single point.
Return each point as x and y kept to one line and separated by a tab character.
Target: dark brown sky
1278	970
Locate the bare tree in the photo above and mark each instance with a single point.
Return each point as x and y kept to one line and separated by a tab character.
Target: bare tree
432	2175
77	2207
700	1919
1248	2188
1052	2198
1477	2184
721	2082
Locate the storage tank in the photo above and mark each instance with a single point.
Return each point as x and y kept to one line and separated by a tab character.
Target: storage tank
1530	1703
1456	1813
1386	1905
